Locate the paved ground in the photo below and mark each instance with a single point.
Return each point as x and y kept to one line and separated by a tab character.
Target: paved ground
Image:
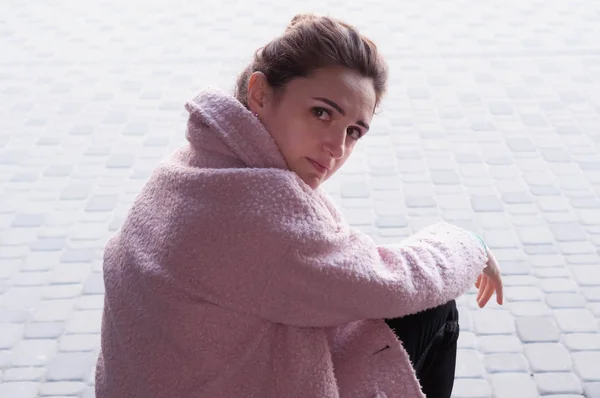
492	121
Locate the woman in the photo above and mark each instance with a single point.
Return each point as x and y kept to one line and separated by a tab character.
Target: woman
235	276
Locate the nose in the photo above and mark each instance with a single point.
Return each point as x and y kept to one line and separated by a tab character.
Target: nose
335	143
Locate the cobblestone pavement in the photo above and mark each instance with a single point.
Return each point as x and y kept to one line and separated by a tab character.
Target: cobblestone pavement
492	121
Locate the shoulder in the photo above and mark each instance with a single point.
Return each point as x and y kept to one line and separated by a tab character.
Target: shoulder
277	200
281	193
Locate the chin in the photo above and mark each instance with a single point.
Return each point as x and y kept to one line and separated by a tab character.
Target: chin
312	181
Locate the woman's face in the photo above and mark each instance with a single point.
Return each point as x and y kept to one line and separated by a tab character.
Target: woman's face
315	121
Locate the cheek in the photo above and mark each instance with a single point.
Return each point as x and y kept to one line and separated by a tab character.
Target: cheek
279	129
291	137
299	135
296	135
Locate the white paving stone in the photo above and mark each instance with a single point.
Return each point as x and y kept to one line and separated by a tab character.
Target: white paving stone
469	364
19	389
471	388
514	385
587	365
582	341
499	344
506	362
552	383
548	357
576	321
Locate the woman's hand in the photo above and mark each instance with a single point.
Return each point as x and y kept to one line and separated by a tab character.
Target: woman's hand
489	281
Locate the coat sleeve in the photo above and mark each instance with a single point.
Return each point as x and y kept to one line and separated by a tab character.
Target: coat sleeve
351	278
268	248
318	271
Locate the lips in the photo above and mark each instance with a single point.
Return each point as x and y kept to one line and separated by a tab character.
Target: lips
318	166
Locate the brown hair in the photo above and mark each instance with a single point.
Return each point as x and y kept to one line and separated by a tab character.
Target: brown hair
311	42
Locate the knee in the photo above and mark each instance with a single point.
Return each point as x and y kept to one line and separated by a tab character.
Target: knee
447	312
451	310
445	317
452	324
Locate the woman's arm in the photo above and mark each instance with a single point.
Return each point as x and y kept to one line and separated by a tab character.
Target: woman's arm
352	279
262	243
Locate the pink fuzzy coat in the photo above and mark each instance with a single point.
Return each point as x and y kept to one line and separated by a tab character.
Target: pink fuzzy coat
230	277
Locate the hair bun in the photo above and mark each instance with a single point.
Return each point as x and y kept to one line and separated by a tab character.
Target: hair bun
299	19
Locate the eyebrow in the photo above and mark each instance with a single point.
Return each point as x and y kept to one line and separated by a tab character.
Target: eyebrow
340	110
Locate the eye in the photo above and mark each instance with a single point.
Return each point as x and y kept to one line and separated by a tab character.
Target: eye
355	133
321	113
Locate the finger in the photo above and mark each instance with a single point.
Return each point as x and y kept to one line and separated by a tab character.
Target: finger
482	285
488	293
497	280
499	291
478	281
479	289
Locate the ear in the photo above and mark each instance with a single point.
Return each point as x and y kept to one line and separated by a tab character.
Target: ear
259	93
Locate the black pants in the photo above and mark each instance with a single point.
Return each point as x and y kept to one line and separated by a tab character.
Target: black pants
430	337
